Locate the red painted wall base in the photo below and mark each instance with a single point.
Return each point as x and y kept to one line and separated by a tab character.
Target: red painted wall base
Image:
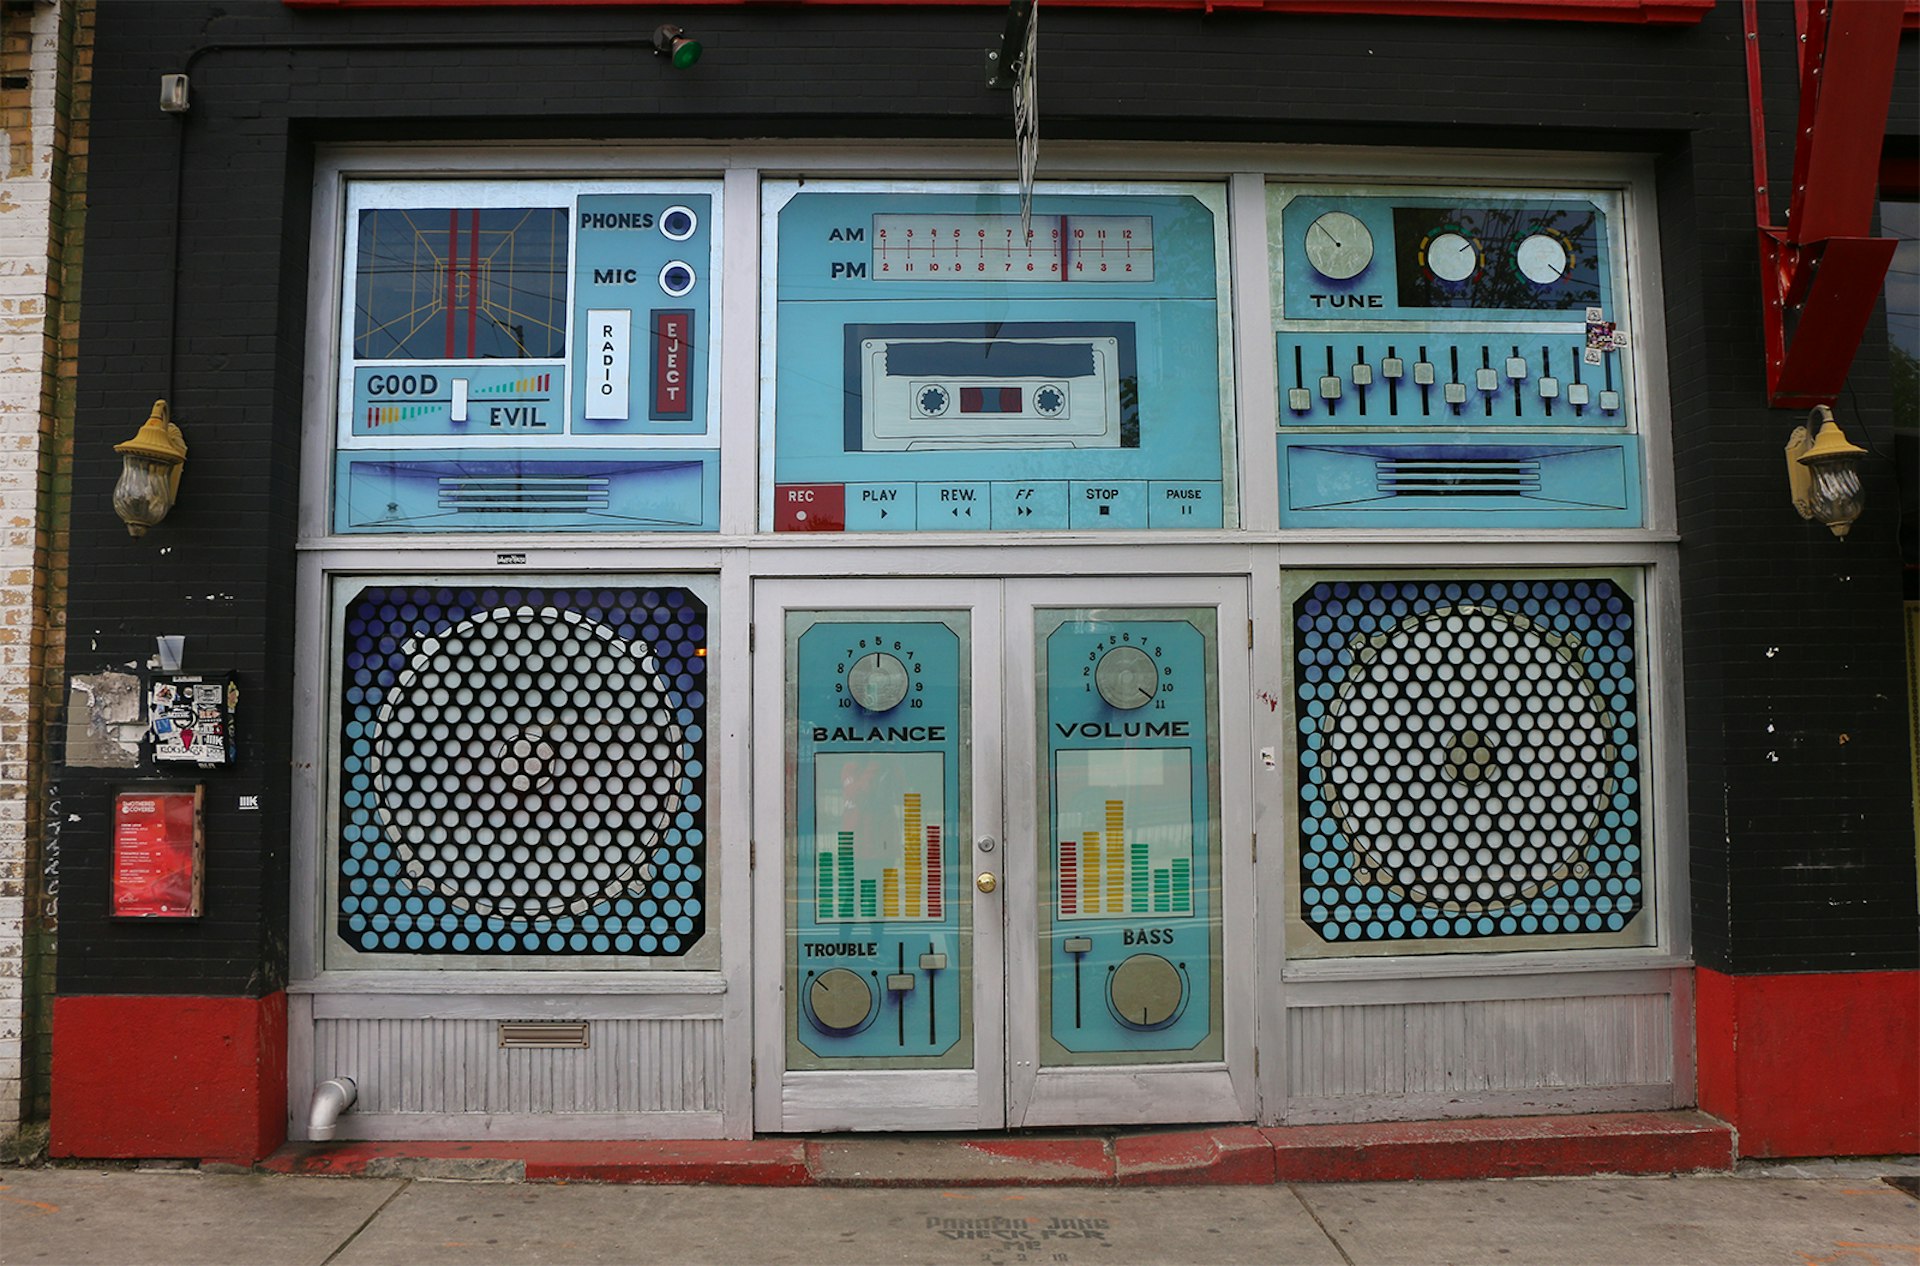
1822	1064
174	1077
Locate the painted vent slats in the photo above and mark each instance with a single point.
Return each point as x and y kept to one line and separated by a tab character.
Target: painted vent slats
554	493
546	1035
1399	477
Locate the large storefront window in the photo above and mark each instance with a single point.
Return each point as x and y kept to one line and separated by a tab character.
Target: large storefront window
1453	359
528	357
1468	756
940	365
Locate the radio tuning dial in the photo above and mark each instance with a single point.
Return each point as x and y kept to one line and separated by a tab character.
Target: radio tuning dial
1339	246
1542	258
1452	256
877	682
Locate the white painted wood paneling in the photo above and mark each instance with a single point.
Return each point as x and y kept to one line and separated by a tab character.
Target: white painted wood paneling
1479	1047
455	1066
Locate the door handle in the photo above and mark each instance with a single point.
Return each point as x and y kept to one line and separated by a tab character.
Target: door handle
985	881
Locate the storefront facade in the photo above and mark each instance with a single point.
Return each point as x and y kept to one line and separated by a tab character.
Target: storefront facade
744	626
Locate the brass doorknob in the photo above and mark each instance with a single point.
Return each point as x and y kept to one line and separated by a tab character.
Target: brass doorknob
985	881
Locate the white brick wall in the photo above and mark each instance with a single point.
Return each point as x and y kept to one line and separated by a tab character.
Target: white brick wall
25	372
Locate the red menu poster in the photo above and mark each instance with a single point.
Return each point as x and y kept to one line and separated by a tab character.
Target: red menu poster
157	852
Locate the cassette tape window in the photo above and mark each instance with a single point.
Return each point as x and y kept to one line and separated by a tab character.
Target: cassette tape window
938	368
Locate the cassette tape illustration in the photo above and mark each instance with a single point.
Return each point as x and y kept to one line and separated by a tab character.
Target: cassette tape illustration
982	385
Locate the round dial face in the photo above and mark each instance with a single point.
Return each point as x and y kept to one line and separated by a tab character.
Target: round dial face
877	681
1542	258
1452	256
1339	246
1127	677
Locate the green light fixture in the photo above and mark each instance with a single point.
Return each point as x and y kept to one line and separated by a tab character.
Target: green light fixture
674	44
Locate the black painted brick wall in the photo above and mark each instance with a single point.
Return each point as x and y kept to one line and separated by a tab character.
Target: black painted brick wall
1799	826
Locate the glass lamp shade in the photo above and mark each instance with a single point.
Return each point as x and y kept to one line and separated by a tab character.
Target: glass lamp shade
1836	497
1833	490
145	491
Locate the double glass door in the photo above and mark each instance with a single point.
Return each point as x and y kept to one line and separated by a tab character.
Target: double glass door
1002	853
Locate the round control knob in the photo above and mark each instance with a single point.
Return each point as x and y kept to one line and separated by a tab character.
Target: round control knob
1452	256
1126	678
1543	258
1339	246
840	1000
1146	991
878	681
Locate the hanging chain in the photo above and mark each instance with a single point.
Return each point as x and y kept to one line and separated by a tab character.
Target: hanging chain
1026	118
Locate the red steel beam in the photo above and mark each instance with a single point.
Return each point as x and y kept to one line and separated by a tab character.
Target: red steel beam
1846	87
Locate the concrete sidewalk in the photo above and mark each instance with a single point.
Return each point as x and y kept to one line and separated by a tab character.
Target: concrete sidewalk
1814	1214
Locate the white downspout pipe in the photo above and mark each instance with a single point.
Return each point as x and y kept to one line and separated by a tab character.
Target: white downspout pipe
330	1099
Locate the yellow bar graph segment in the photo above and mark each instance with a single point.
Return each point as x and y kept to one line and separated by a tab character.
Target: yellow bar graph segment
1090	872
890	893
1116	856
911	847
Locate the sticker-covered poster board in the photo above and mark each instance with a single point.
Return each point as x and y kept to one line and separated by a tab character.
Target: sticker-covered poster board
528	356
936	367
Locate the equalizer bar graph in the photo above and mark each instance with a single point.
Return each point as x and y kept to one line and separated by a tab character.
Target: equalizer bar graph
1125	833
882	815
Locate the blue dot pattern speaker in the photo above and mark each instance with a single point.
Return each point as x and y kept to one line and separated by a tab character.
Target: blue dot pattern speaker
1469	761
522	771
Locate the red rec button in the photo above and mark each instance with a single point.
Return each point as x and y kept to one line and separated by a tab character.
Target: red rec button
809	507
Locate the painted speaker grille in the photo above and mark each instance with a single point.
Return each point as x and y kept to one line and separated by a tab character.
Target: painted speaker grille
1469	759
521	770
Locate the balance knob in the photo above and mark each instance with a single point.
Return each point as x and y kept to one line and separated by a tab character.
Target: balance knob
1146	991
840	1000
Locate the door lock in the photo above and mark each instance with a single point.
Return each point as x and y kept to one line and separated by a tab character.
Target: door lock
985	844
985	881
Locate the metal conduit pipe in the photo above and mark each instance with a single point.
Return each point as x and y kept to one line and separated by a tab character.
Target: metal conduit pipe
330	1099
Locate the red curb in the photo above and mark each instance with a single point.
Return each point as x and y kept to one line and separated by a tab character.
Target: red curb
881	1161
704	1162
351	1159
1228	1156
1506	1147
1502	1147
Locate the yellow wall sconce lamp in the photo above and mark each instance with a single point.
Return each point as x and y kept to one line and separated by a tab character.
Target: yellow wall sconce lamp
150	467
1823	472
